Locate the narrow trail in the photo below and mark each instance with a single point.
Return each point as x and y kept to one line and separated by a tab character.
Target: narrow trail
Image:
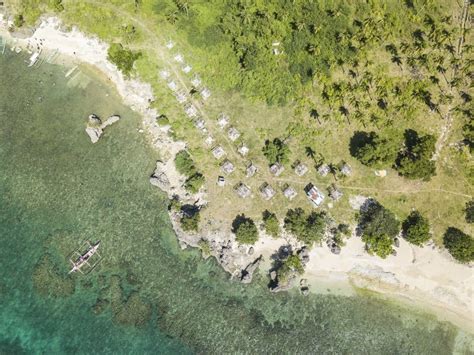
154	42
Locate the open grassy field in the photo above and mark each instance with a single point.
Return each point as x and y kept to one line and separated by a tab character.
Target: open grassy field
442	199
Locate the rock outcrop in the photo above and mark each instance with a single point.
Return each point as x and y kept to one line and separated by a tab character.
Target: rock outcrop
95	127
159	177
247	273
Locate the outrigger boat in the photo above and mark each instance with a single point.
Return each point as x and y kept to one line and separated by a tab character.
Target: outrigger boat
83	259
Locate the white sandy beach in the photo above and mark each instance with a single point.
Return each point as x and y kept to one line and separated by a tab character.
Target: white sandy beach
427	276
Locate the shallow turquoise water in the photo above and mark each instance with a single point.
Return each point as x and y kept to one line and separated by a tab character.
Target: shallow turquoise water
56	189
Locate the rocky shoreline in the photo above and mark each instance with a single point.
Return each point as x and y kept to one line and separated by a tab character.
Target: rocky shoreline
422	275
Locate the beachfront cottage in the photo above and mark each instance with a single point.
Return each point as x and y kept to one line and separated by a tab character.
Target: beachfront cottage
187	69
227	167
170	44
205	93
222	120
243	150
251	170
172	85
276	169
242	190
191	110
233	134
345	168
290	193
267	191
218	152
300	169
179	58
220	181
334	192
181	96
323	169
165	74
196	81
314	195
209	141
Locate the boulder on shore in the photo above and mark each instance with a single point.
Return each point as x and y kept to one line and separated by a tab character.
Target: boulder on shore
247	274
94	133
94	120
109	121
159	177
95	127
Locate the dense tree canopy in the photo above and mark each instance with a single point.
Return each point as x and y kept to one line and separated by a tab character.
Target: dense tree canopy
416	229
379	227
276	151
308	228
470	211
245	230
291	265
271	224
190	222
374	151
123	58
185	166
415	161
459	244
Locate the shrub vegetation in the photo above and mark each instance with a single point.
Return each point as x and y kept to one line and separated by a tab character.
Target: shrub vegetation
245	230
416	229
123	58
308	228
271	224
459	244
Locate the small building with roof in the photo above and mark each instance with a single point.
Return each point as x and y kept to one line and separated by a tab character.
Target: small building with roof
200	124
233	134
179	58
223	120
172	85
181	96
170	44
289	192
300	168
218	152
314	195
209	141
334	192
196	81
205	93
324	169
227	167
186	69
276	169
165	74
243	150
345	168
191	110
242	190
267	191
251	170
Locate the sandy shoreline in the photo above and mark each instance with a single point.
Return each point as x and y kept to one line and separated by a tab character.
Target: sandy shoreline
427	276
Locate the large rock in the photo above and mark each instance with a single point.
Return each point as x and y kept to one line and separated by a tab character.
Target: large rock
94	133
247	274
94	120
110	120
159	177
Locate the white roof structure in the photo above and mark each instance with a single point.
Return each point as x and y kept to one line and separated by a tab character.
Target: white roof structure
267	191
205	93
243	150
251	170
227	167
233	134
172	85
346	169
181	96
218	152
222	120
165	74
199	123
276	169
196	81
209	140
314	195
300	169
290	193
324	169
334	192
179	58
170	44
187	69
242	190
191	111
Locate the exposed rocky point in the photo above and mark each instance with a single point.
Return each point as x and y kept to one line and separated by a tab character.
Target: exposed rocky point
247	274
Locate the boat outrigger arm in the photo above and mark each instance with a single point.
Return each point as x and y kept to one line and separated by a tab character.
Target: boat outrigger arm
84	258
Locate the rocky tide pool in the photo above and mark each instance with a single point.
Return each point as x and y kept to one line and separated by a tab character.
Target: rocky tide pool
57	190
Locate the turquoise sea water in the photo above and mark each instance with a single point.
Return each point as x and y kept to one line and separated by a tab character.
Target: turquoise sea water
146	296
